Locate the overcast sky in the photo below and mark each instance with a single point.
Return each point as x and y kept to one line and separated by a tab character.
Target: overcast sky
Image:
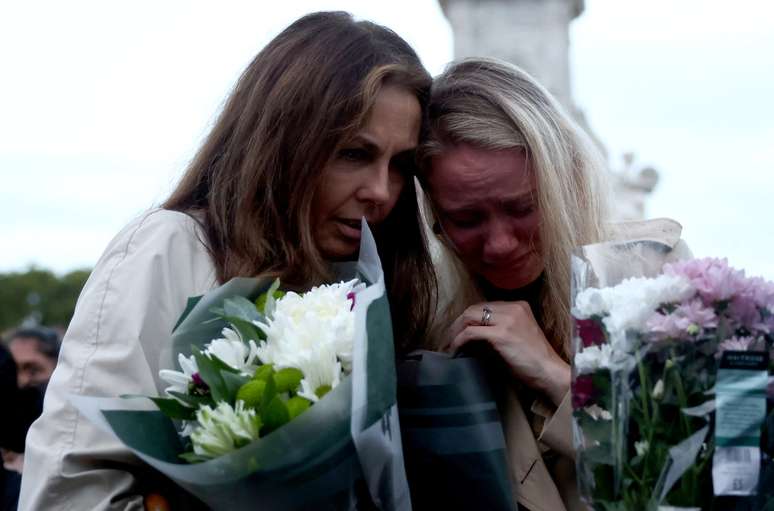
103	103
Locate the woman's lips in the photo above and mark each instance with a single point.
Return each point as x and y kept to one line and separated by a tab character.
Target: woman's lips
349	228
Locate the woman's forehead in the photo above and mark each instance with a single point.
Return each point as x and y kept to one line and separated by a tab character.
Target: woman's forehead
465	174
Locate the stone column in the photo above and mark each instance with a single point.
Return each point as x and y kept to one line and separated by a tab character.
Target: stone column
535	35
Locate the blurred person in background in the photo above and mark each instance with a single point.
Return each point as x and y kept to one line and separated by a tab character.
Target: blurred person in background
35	351
25	405
29	358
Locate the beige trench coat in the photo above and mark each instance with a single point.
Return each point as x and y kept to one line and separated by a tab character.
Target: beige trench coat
122	321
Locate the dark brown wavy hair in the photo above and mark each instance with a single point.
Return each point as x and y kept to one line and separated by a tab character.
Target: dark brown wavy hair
252	183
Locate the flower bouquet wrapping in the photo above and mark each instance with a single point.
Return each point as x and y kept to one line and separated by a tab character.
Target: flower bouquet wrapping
453	440
670	376
279	400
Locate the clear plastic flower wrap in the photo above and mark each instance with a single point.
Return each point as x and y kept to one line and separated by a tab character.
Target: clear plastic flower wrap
672	393
334	440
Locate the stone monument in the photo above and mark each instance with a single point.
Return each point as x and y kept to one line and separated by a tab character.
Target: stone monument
535	35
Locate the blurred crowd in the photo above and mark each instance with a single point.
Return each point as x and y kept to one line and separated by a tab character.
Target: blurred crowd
27	359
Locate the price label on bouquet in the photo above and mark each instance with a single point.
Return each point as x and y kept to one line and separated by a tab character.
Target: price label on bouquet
741	408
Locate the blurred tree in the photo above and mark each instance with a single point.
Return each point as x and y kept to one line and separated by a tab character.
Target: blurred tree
38	296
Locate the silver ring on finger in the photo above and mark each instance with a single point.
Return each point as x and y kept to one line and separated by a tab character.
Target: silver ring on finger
486	317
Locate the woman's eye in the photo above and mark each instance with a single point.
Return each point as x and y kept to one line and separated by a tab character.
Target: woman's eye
522	210
464	222
354	154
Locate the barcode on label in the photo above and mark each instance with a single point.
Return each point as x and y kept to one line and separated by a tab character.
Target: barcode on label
731	455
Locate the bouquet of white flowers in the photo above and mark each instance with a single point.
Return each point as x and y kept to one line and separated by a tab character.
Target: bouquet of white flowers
281	400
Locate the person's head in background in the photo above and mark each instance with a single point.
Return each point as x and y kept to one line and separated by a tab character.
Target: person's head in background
35	351
319	131
514	184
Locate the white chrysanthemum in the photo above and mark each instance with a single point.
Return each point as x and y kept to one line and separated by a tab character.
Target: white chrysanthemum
593	358
631	303
224	429
321	369
232	350
313	332
180	381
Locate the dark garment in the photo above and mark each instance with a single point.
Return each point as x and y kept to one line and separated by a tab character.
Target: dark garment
11	483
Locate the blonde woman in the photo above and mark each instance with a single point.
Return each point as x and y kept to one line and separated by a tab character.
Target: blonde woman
514	186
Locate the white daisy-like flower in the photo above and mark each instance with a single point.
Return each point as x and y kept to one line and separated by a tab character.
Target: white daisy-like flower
224	429
313	332
631	303
180	381
232	350
593	358
641	447
321	369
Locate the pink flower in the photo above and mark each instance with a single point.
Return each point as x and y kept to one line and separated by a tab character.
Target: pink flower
688	319
713	278
740	344
762	292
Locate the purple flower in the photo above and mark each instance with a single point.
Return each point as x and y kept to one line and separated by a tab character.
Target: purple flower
351	296
739	344
198	387
762	292
713	278
688	319
590	332
582	390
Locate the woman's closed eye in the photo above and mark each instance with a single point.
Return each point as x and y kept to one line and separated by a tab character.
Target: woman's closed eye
520	209
464	220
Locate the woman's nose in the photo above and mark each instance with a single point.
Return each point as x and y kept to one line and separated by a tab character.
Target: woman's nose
500	242
376	186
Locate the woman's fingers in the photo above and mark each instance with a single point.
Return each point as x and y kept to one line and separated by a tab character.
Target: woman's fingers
470	333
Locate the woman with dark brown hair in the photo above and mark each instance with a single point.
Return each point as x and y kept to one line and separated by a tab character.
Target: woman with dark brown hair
319	132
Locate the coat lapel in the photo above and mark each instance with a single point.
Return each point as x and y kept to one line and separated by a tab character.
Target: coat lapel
531	482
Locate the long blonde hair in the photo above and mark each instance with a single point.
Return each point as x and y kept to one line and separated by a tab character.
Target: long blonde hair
494	105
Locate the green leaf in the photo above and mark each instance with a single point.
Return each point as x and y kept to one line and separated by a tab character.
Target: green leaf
263	372
242	308
251	393
322	390
297	405
210	372
269	392
193	401
234	382
247	330
274	414
222	366
266	302
288	379
173	409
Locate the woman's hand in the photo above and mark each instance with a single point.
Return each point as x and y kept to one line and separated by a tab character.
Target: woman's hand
515	334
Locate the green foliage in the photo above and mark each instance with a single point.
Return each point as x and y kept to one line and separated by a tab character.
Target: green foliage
40	294
288	379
